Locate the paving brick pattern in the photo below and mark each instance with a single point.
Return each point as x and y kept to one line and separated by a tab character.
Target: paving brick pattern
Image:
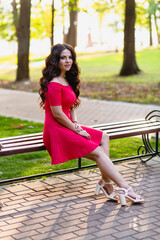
65	207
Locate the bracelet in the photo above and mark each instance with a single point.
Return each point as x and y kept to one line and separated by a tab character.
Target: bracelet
78	129
74	121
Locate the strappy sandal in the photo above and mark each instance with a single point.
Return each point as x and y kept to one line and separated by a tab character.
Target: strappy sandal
101	186
123	194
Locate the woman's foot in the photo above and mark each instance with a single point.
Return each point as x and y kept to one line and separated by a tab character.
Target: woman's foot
129	194
107	189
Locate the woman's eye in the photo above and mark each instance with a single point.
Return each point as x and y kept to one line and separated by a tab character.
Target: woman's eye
63	57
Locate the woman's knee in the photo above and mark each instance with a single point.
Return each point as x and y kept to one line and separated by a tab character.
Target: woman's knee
99	150
95	154
105	137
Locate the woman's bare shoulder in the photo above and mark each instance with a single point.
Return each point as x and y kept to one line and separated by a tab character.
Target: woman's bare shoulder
55	79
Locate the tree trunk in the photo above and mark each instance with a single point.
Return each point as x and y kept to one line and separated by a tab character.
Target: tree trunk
157	29
150	30
129	66
63	20
52	24
15	17
23	41
71	37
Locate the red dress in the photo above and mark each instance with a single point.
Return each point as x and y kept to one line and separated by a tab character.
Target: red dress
62	143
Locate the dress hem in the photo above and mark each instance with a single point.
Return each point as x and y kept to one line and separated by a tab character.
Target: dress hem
81	155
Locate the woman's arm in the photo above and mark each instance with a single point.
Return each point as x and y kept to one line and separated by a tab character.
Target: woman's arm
65	121
73	115
74	119
62	118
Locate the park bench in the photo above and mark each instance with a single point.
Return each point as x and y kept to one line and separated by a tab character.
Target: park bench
116	130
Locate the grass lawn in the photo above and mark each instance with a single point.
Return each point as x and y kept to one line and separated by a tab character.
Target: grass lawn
99	76
39	162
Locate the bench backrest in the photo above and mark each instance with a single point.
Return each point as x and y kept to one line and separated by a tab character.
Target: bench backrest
34	142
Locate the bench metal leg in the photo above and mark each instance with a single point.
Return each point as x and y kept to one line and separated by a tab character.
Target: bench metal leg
79	163
147	149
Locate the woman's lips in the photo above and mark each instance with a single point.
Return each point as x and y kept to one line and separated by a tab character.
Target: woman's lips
67	66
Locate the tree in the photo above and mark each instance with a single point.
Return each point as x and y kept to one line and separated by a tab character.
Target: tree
101	7
150	29
52	23
41	21
15	17
63	18
23	41
129	66
154	10
147	11
71	37
8	20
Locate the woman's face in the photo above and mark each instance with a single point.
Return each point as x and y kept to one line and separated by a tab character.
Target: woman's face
65	61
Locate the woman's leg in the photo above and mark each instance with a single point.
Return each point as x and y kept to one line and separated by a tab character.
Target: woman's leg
105	143
108	169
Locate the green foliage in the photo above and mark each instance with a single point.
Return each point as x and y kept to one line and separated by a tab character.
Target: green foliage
41	21
7	28
145	9
118	7
101	7
142	18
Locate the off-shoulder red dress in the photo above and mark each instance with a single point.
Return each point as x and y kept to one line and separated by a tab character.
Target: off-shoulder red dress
62	143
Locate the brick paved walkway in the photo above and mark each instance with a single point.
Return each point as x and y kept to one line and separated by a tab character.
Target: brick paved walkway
65	207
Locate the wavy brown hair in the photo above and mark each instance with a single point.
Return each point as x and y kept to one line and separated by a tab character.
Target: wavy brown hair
52	70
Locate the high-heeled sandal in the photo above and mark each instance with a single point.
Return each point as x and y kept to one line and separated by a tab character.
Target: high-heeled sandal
123	194
101	186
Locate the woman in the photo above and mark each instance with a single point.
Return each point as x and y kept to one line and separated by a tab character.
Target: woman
63	137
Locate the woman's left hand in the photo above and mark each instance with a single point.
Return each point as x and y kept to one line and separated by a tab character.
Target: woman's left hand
83	133
78	126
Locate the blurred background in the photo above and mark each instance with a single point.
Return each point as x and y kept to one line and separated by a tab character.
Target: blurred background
99	25
117	44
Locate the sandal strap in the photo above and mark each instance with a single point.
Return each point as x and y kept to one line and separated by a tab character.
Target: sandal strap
104	183
138	197
125	190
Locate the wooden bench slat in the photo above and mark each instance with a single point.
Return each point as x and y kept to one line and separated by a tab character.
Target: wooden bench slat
16	144
137	124
15	140
117	123
22	149
21	136
134	132
146	126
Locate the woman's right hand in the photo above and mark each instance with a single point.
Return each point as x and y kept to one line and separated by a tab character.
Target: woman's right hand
83	133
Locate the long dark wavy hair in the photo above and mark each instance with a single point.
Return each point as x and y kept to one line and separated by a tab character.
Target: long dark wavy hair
52	70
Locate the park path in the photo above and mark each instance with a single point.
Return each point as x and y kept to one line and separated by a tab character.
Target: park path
25	105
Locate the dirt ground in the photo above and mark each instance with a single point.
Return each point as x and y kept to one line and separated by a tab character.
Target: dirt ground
23	86
122	91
